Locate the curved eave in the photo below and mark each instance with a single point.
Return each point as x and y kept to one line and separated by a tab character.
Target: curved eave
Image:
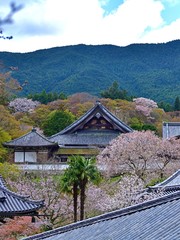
31	139
13	204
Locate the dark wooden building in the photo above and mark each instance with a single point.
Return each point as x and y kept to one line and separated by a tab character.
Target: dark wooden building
90	133
13	204
32	148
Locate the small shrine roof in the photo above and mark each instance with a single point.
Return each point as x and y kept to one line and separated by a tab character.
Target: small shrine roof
31	139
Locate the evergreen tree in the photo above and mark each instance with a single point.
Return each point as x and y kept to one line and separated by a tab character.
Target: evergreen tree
114	92
177	104
56	121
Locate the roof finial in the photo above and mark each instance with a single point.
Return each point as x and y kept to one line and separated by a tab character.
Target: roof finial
98	102
33	129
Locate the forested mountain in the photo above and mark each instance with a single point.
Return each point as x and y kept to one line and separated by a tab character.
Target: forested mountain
145	70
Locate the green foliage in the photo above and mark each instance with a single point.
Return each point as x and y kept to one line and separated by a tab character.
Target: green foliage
8	86
45	98
8	123
8	170
177	104
4	137
166	106
39	114
148	70
114	92
155	181
56	121
138	125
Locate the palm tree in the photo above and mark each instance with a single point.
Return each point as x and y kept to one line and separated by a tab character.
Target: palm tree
87	172
80	172
69	185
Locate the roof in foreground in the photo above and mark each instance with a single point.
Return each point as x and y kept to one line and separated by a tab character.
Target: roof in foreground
31	139
155	219
13	204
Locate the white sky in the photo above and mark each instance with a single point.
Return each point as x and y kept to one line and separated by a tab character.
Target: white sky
49	23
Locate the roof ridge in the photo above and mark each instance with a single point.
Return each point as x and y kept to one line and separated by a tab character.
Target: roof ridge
111	215
33	131
44	137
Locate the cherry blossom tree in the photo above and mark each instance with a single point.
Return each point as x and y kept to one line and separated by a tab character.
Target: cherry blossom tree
145	105
23	105
43	185
139	153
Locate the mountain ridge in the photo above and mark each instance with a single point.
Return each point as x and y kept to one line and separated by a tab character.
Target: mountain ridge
144	70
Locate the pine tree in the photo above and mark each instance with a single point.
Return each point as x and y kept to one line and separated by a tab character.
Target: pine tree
177	104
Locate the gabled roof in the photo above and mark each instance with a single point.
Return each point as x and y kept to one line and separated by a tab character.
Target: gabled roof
31	139
171	129
74	134
13	204
152	220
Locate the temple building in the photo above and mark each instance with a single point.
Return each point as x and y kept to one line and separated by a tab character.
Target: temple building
31	148
86	136
13	204
90	133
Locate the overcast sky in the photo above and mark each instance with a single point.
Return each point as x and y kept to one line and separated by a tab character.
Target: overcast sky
49	23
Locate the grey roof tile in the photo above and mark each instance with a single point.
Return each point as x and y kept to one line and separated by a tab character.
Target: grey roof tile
31	139
151	220
85	138
13	204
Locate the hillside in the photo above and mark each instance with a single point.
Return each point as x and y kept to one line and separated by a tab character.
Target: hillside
146	70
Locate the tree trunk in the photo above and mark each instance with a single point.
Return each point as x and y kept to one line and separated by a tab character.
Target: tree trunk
75	197
82	197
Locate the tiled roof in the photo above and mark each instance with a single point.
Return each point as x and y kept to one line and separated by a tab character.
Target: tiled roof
86	138
98	109
13	204
31	139
171	129
151	220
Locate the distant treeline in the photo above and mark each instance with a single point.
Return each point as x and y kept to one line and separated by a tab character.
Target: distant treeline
44	97
170	107
113	92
